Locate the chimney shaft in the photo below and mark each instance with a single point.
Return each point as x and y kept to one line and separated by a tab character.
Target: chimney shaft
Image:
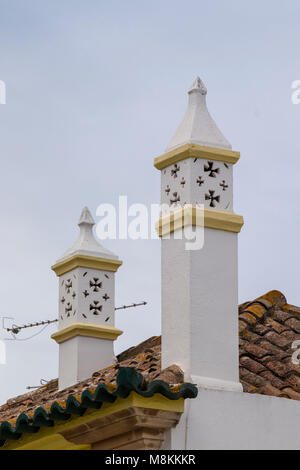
200	286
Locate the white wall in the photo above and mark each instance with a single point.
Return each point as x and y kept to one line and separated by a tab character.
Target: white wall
230	420
200	306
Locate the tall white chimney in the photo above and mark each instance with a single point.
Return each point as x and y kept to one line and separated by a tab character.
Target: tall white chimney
200	286
86	330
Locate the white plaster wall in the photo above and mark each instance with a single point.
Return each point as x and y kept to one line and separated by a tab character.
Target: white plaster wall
199	306
81	356
229	420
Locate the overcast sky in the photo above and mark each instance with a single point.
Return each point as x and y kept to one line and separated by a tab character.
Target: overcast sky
95	91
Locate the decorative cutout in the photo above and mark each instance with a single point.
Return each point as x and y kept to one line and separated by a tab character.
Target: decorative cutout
95	307
85	293
63	300
68	286
176	198
105	297
84	315
167	190
106	319
182	182
107	277
84	274
209	167
175	170
74	295
223	185
200	181
226	166
212	198
68	309
95	284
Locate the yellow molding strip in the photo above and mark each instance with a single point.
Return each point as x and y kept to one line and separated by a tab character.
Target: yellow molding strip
196	216
42	439
84	261
195	151
53	442
86	329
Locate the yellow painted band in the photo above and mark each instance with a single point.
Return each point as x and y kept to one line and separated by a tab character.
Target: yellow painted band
48	437
53	442
195	216
195	151
86	329
84	261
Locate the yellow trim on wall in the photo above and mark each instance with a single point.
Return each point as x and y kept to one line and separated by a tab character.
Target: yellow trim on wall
195	151
49	436
85	261
86	329
53	442
195	216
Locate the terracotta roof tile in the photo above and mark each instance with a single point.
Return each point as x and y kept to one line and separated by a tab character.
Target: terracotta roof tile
294	324
278	340
250	364
273	379
265	348
268	327
273	350
291	393
268	389
127	380
255	350
250	378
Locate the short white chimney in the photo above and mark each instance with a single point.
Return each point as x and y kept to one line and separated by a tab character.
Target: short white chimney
200	286
86	330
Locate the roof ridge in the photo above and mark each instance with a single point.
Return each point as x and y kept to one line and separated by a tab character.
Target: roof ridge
253	312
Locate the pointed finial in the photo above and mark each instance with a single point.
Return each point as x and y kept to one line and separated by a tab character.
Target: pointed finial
199	86
86	217
197	125
86	244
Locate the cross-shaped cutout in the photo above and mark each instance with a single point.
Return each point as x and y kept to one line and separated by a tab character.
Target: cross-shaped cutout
223	185
176	198
95	307
68	285
167	190
200	181
105	297
85	293
212	198
96	284
175	170
68	309
182	182
209	166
